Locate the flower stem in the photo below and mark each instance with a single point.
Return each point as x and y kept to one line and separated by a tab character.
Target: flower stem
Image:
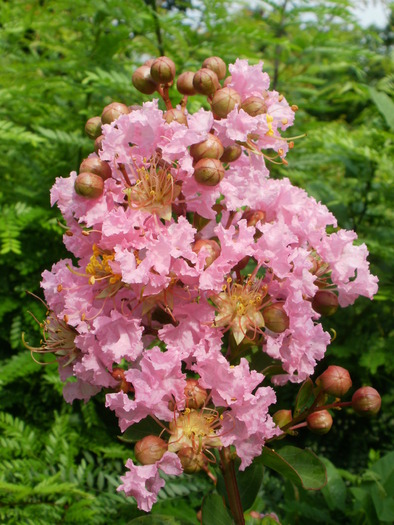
230	481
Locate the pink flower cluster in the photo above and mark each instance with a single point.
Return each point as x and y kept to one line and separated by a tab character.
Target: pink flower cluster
174	279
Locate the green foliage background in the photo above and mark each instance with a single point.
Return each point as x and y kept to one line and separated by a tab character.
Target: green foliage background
61	63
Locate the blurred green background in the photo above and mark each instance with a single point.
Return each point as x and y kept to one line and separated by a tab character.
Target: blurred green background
61	63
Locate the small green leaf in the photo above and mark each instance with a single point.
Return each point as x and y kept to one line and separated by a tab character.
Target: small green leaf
335	491
249	483
301	467
139	430
214	512
305	397
384	104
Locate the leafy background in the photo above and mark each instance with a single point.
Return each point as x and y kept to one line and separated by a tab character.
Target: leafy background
61	63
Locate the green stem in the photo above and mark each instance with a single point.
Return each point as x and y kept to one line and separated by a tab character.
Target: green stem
230	481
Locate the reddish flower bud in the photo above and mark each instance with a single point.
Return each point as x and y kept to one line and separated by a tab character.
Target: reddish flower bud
254	106
227	81
191	462
93	127
210	246
143	81
175	114
253	217
210	148
196	396
97	166
113	111
163	70
150	449
275	318
282	418
89	185
224	101
149	62
217	65
205	81
231	153
208	172
98	144
325	302
124	385
366	401
319	422
184	83
335	381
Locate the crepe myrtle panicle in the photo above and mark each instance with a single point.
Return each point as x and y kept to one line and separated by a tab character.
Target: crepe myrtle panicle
187	260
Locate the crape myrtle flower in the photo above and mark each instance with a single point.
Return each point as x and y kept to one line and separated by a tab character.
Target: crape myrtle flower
186	253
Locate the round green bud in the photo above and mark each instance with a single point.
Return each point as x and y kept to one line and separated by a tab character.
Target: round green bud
210	148
335	381
205	81
143	81
113	112
231	153
93	127
275	318
224	101
208	172
150	449
217	65
175	114
184	83
254	106
163	70
366	401
98	144
325	302
319	422
97	166
89	185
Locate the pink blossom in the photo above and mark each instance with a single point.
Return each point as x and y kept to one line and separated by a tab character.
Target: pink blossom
248	80
144	482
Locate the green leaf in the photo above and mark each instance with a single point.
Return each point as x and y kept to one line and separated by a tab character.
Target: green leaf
305	397
214	512
384	104
139	430
301	467
249	483
335	491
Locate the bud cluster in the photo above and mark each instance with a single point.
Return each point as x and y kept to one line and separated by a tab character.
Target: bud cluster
188	261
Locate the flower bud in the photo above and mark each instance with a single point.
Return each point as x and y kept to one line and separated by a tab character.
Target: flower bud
205	81
93	127
196	396
366	401
191	462
325	302
163	70
319	422
149	62
184	83
143	81
150	449
98	144
224	101
282	418
89	185
175	115
335	381
113	111
217	65
211	248
97	166
253	217
124	385
208	172
275	318
210	148
227	81
231	153
254	106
